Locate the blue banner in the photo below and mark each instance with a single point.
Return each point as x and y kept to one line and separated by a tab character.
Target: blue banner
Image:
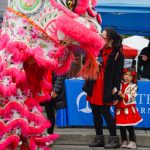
78	112
143	103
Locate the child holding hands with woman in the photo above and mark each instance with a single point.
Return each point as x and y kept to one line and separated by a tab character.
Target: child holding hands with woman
127	114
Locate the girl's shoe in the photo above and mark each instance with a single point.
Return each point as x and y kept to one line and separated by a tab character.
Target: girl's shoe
124	144
131	145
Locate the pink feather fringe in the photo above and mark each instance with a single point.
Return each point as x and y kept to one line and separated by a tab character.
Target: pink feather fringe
25	113
37	54
11	141
82	7
43	98
99	19
8	90
23	125
59	52
94	2
91	43
40	142
18	50
78	33
21	52
48	138
18	75
39	129
66	66
91	12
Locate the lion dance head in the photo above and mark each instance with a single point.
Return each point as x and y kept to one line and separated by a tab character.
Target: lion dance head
39	37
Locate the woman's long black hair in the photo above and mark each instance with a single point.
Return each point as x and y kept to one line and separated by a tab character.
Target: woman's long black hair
116	39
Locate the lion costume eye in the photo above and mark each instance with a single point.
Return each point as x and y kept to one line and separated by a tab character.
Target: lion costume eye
71	4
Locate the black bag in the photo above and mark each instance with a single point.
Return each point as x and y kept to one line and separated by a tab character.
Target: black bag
88	86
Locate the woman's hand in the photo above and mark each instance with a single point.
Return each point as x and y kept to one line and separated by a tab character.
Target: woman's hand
144	57
53	94
121	94
114	91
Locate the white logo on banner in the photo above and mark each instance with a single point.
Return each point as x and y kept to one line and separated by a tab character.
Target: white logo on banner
143	101
87	109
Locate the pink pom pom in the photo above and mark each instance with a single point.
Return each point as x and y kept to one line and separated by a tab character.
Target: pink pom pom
94	2
99	19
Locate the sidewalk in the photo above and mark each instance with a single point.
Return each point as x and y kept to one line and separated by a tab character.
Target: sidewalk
79	138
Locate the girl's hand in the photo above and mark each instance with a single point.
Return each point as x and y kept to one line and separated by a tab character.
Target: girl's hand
115	102
120	93
123	96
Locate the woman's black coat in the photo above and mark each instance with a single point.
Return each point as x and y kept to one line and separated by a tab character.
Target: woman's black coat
112	77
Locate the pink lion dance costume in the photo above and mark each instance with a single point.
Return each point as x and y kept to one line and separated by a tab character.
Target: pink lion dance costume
38	37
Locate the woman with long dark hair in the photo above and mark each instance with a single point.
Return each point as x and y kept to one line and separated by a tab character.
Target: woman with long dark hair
102	96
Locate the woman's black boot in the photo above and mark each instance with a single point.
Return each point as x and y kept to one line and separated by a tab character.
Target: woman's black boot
98	141
113	143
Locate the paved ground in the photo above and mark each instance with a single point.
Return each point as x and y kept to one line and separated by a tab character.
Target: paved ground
79	138
66	147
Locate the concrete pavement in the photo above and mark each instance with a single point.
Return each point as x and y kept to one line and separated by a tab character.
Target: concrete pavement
79	138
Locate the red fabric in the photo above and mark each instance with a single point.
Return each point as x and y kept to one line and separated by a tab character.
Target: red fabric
48	79
105	54
97	97
132	118
126	97
34	75
129	52
124	86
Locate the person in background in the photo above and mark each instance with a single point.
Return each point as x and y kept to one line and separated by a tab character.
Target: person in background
126	112
144	63
1	21
57	101
99	92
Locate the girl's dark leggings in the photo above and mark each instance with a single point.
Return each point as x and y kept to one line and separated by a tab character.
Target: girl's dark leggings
123	132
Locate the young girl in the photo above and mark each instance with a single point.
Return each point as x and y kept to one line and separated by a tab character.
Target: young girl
126	112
